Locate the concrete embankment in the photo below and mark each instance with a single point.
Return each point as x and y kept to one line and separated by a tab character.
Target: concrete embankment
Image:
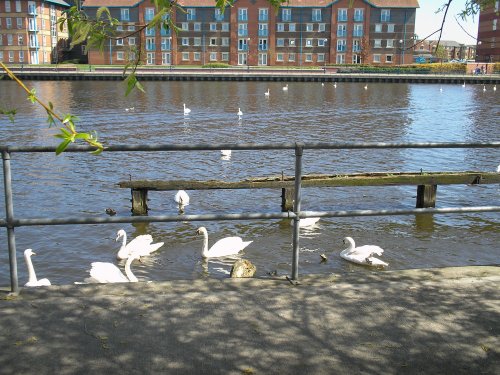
436	321
284	75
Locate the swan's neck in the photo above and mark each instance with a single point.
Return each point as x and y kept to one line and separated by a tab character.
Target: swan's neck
204	250
122	253
350	247
131	277
31	269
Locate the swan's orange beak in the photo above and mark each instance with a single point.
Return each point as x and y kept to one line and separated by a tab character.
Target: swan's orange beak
33	253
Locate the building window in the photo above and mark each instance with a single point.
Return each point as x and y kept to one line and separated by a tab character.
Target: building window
322	42
263	30
185	41
321	57
280	27
131	28
309	42
309	57
150	44
224	42
243	29
125	16
377	43
150	58
242	14
280	42
196	56
131	41
242	45
184	26
341	30
358	15
149	14
286	14
390	43
165	44
8	23
197	42
1	55
165	58
356	45
388	58
225	26
218	15
291	42
11	56
7	6
213	56
292	27
279	57
342	15
150	31
118	28
197	26
263	14
9	40
291	57
494	26
390	27
213	41
316	15
31	7
321	27
376	58
340	58
19	23
191	14
20	40
185	56
357	32
378	27
18	6
119	42
120	55
356	59
341	45
225	56
262	44
213	26
309	27
385	15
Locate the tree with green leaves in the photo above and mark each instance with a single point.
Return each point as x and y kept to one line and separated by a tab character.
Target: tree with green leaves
103	27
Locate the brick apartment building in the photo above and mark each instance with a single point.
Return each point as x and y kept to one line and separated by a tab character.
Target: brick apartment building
454	50
488	36
252	32
29	33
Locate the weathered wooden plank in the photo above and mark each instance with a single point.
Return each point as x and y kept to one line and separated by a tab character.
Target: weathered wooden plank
140	201
317	180
426	196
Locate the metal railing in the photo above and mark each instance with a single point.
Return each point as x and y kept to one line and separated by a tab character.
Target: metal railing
11	222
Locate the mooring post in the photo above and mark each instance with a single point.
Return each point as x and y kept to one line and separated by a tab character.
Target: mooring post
426	196
299	150
287	198
140	201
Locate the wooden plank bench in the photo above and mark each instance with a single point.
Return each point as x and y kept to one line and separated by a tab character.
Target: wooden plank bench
426	183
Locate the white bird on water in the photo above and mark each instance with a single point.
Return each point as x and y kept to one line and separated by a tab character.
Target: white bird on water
267	92
32	280
285	88
495	88
498	169
366	87
141	245
463	84
306	222
484	88
187	111
226	153
363	254
224	247
105	272
182	199
239	112
335	85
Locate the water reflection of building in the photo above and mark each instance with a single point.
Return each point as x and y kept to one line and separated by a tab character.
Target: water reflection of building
252	32
29	32
488	35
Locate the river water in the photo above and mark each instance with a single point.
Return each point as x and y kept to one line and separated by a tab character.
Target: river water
84	185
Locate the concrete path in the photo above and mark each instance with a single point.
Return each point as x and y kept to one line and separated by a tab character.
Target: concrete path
438	321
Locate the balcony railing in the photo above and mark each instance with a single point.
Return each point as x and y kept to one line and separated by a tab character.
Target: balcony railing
263	48
263	18
341	33
242	32
151	47
357	33
263	32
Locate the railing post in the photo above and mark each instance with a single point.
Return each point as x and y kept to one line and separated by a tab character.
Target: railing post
299	149
9	213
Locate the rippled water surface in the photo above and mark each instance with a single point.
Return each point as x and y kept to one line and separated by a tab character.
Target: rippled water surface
84	185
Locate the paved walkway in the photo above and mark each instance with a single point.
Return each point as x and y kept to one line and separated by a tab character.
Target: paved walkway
438	321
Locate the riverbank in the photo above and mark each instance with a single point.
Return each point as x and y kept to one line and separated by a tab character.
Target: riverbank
59	73
436	321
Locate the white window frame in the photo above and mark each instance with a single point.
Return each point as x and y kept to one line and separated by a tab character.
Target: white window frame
389	59
309	27
225	56
213	26
340	59
385	15
213	56
120	55
197	26
321	27
377	43
376	58
119	42
286	14
185	56
213	42
390	27
185	41
280	42
197	41
131	41
279	57
184	26
292	27
308	57
320	57
8	8
291	57
280	27
18	6
309	42
196	56
389	43
378	27
125	14
225	26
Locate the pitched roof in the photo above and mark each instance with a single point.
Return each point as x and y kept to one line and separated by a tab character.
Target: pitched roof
111	3
59	2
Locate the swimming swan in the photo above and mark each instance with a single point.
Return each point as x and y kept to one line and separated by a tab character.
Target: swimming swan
363	254
267	93
32	280
141	245
224	247
105	272
285	88
306	222
239	112
225	152
186	110
182	199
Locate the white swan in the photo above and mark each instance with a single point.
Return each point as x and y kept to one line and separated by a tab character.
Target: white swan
306	222
141	245
335	85
495	88
366	87
32	280
285	88
322	84
225	152
463	84
440	89
224	247
186	110
182	199
105	272
239	112
363	254
267	92
484	88
498	169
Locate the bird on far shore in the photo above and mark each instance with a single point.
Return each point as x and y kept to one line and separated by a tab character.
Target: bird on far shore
239	112
186	110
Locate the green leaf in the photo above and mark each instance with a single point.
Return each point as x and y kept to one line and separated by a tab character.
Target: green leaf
62	146
10	113
82	136
131	82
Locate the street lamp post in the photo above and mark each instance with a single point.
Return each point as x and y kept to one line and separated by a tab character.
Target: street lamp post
325	41
248	54
402	53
